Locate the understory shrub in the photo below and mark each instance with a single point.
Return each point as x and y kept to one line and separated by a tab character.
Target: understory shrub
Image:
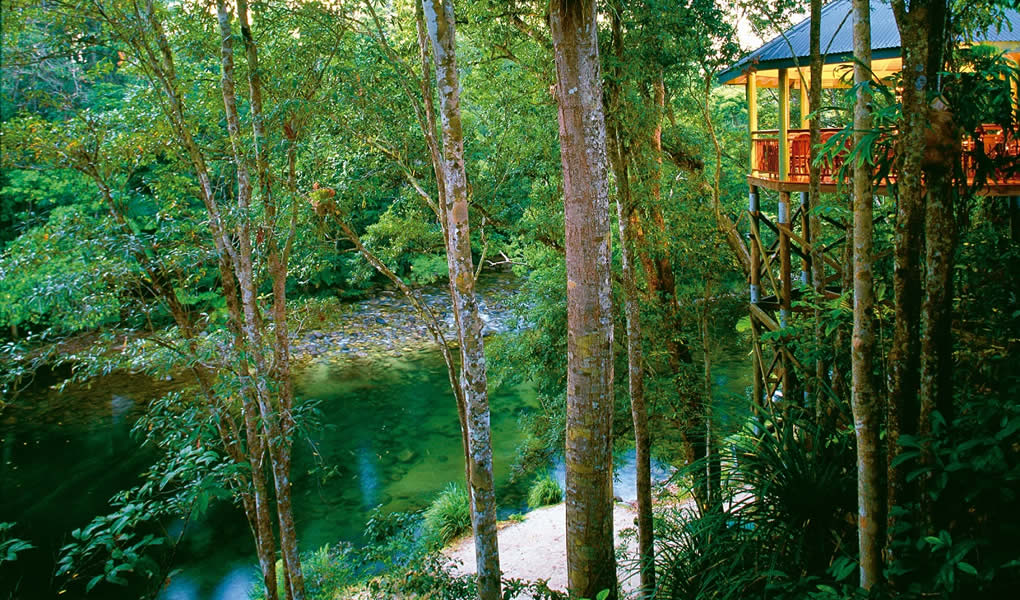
327	572
449	515
397	562
544	491
784	525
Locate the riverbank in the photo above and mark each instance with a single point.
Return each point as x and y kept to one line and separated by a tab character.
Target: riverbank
383	325
387	324
536	548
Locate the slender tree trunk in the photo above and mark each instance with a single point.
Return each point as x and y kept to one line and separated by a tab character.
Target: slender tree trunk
277	270
813	235
936	379
264	538
272	417
903	410
936	385
865	402
454	210
144	33
714	466
843	337
263	531
625	207
591	564
428	127
653	253
635	387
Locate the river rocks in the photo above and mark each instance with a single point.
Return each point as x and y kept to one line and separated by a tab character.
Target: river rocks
389	325
406	456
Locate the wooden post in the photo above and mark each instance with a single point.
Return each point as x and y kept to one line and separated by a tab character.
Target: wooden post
786	291
753	209
805	265
785	295
805	105
758	388
751	92
784	124
805	232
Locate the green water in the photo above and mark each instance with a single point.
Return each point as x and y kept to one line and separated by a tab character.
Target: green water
393	436
389	438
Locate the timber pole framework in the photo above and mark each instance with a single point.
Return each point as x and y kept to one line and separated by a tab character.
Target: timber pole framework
781	236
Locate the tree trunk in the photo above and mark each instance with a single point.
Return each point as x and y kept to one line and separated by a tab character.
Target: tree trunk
625	207
428	127
454	210
714	467
813	234
903	410
936	385
591	564
865	404
635	387
143	32
653	253
275	425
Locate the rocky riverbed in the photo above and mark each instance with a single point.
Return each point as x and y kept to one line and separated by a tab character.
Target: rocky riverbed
389	325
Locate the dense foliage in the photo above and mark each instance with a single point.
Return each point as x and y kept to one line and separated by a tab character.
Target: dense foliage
102	218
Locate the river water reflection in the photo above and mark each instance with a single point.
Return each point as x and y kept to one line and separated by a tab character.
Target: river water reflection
388	438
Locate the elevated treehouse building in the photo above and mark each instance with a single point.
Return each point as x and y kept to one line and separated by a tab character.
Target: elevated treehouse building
781	239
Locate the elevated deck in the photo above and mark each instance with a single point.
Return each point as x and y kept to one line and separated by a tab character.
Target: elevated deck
765	161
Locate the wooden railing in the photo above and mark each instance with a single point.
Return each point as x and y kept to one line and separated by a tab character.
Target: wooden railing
765	155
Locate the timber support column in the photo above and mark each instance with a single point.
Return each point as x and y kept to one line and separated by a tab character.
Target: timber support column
805	105
753	209
784	124
786	290
751	94
805	232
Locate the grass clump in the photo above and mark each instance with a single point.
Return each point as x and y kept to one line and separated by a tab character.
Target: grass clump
544	491
449	515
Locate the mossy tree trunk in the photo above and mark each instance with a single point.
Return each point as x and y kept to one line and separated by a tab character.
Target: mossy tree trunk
921	26
864	397
591	564
621	158
439	17
814	200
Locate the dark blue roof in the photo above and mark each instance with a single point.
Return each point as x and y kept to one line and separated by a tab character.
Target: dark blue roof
837	39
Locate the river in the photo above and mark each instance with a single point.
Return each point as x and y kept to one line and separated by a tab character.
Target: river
389	438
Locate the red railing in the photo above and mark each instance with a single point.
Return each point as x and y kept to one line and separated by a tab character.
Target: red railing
765	155
1001	149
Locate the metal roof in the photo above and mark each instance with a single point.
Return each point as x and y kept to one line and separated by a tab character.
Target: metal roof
837	39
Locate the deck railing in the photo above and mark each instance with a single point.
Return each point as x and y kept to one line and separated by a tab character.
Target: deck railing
765	155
